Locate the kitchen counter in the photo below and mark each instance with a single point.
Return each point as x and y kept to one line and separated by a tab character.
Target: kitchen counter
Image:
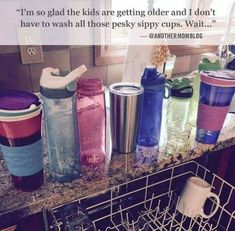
15	204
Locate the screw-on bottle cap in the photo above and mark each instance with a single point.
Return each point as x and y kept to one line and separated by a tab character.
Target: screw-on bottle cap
180	88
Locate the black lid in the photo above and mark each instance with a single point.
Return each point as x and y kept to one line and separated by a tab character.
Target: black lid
180	88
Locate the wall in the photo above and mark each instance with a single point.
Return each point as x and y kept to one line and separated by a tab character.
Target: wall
14	75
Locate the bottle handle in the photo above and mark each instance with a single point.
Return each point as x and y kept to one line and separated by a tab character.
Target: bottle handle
166	87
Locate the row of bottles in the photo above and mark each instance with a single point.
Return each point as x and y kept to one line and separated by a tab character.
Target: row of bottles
203	106
75	119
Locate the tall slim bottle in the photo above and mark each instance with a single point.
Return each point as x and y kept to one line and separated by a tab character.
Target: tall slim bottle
59	103
151	115
91	119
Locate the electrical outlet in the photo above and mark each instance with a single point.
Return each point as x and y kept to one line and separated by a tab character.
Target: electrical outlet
30	45
31	54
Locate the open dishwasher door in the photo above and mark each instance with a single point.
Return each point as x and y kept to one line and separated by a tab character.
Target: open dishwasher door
149	203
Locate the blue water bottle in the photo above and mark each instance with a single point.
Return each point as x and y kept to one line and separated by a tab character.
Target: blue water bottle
58	90
151	115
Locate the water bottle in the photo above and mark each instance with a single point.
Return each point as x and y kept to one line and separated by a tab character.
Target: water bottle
91	119
178	106
58	90
209	62
151	115
178	129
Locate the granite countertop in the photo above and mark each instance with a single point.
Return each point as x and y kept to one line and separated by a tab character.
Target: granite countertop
15	204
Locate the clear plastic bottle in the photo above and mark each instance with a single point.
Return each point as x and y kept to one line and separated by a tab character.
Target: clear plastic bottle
59	103
178	129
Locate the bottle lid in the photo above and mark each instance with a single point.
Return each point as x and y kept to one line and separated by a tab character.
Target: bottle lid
209	62
126	89
152	79
181	88
13	100
89	86
57	84
231	65
222	78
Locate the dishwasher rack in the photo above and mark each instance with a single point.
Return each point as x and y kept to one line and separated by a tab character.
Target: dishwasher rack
148	203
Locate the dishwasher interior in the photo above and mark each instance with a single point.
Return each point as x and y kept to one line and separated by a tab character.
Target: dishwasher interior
147	203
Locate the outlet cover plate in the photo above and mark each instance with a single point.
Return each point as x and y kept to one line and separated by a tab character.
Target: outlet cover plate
31	54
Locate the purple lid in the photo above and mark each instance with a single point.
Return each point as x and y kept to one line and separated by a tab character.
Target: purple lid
17	100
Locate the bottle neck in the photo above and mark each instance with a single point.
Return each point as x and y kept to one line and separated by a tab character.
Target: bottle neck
89	87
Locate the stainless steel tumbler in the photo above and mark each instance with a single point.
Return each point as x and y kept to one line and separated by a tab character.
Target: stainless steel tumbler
125	107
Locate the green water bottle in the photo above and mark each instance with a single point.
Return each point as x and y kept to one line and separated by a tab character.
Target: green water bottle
209	62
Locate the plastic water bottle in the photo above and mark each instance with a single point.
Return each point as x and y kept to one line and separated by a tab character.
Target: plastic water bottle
151	115
59	102
91	119
178	129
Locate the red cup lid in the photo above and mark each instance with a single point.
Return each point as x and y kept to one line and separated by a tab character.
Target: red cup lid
17	100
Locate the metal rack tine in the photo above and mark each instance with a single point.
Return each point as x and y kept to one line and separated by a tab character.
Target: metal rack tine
127	218
230	220
122	220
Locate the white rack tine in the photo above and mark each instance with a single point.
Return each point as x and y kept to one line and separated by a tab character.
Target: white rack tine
133	225
230	220
201	222
172	173
221	188
151	203
164	218
205	225
146	188
172	221
115	226
183	218
229	197
122	220
170	199
111	205
197	170
211	227
144	226
127	221
191	223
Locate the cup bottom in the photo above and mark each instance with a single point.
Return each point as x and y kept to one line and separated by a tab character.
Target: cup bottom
28	183
65	178
207	137
146	155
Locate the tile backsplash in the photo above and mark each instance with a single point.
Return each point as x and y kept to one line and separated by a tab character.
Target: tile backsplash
15	75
